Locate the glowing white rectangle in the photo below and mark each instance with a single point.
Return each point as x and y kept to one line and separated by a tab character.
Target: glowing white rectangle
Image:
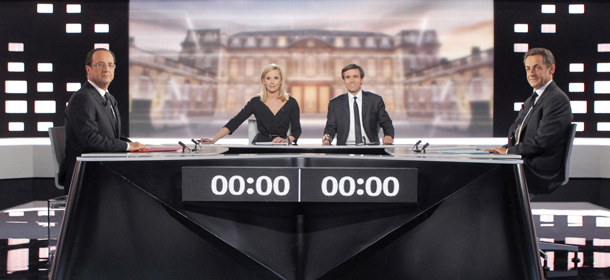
44	106
548	9
574	221
44	87
44	126
602	222
517	106
521	47
576	87
577	67
16	86
576	9
101	46
16	126
15	47
603	126
521	27
602	241
603	67
45	67
73	8
603	47
73	28
16	106
548	28
601	87
44	8
102	28
16	66
578	107
71	87
601	107
580	126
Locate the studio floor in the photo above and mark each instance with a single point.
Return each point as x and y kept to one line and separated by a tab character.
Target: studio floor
28	235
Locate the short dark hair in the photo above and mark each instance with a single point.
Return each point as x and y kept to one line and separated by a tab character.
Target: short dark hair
350	67
547	56
89	58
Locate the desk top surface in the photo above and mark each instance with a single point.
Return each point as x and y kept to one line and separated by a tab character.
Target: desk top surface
394	152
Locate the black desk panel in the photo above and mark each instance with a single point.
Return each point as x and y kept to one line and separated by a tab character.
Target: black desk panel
126	219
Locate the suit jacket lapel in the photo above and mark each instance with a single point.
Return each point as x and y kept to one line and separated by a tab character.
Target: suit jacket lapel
100	100
538	104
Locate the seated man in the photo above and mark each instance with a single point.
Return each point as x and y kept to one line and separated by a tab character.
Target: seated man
93	122
359	111
540	132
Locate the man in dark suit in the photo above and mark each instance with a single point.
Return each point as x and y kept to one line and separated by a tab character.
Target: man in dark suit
356	116
540	132
93	121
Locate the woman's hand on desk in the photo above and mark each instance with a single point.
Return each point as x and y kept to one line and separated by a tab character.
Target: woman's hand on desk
206	141
279	140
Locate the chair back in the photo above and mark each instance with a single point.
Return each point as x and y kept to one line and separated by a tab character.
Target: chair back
58	148
568	153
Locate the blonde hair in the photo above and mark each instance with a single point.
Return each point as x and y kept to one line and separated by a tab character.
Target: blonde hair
282	91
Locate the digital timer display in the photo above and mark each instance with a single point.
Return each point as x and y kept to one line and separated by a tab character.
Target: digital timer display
294	184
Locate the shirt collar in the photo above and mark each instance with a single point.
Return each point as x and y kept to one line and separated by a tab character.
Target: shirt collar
351	96
540	91
101	91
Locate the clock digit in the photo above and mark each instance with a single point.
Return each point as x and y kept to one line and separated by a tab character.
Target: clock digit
352	186
269	185
378	186
223	180
334	186
276	185
386	186
242	185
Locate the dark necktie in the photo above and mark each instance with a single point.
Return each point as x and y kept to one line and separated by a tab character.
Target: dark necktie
526	111
357	122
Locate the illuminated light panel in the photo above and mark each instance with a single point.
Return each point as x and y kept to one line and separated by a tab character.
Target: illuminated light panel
521	47
605	47
102	28
576	240
71	87
44	87
579	107
601	241
44	8
601	87
602	259
45	67
73	28
547	9
16	106
603	67
15	47
521	28
602	221
601	107
580	126
576	9
44	126
73	8
16	126
44	107
101	46
547	218
603	126
576	87
574	221
577	67
16	86
517	106
16	67
548	28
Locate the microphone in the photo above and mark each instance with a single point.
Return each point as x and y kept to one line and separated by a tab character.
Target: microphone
184	147
196	143
416	147
423	148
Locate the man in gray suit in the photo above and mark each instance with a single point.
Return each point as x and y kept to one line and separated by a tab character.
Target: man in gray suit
540	132
356	116
93	121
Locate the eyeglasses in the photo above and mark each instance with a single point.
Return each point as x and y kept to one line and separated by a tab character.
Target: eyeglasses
102	65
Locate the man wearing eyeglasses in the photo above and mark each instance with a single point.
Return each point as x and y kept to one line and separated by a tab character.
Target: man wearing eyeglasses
93	121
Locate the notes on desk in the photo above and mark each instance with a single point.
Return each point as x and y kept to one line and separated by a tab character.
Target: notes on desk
463	152
270	144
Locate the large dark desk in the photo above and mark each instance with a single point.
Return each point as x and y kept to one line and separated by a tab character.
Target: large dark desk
126	219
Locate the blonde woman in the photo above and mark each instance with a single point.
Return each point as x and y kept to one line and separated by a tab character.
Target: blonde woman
275	111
